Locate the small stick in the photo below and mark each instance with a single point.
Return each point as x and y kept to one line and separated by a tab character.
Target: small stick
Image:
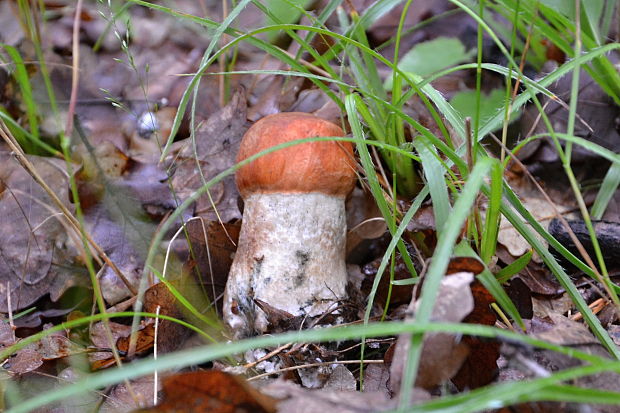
596	306
155	378
268	356
325	363
470	156
9	304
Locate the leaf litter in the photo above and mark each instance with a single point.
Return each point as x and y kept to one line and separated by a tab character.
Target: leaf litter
126	107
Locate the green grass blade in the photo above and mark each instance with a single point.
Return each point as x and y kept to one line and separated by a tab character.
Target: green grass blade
592	321
607	191
574	394
496	121
219	31
213	352
491	223
23	80
515	267
506	394
354	104
210	320
434	173
493	286
388	252
23	136
437	269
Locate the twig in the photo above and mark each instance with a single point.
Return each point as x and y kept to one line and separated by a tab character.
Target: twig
8	301
596	306
155	378
268	356
325	363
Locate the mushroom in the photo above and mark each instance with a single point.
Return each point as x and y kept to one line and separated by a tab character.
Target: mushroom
291	250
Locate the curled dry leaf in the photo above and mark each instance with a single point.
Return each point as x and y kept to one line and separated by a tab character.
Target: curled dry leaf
51	347
364	221
145	339
170	335
99	339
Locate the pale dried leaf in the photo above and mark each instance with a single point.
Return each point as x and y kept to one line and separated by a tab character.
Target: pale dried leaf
442	354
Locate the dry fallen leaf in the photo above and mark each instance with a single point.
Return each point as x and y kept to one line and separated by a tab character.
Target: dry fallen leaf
120	199
145	340
480	366
211	391
376	378
51	347
542	211
442	353
215	150
294	398
213	245
341	379
170	335
121	400
562	331
36	255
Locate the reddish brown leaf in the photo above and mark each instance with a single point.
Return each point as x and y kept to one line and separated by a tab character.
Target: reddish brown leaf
465	264
211	391
398	294
144	342
169	334
213	246
480	367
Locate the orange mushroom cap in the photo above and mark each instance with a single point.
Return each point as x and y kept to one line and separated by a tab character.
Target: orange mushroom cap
323	166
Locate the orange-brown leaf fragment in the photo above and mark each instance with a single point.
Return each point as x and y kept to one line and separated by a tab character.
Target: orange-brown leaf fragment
480	367
211	391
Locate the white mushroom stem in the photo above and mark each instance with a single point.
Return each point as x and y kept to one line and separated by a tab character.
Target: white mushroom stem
291	255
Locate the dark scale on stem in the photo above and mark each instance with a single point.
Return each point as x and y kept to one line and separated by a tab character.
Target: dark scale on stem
302	259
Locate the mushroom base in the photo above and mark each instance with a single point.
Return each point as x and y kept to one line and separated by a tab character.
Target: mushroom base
291	257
